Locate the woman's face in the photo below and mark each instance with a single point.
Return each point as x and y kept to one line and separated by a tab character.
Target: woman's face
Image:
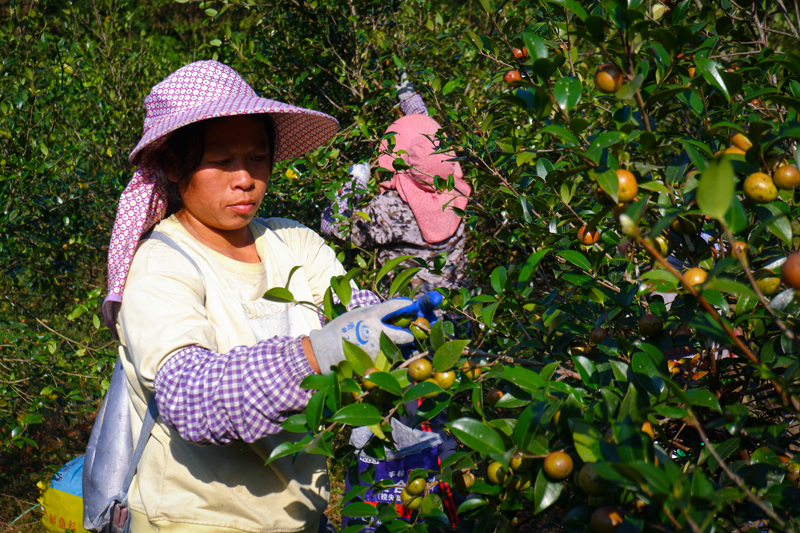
226	190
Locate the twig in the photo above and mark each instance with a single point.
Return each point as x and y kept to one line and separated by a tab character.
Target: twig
736	479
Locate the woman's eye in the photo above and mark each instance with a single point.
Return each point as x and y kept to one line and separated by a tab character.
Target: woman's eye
259	158
221	162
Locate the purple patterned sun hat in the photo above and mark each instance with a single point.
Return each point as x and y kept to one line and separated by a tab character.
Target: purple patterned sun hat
209	89
195	92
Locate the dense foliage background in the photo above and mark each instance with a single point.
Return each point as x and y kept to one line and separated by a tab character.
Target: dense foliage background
695	73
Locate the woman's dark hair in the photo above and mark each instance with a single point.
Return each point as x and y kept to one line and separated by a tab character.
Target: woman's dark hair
183	151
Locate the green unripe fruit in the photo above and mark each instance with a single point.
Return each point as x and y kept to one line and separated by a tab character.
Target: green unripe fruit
420	370
445	379
416	486
497	473
591	483
420	328
410	501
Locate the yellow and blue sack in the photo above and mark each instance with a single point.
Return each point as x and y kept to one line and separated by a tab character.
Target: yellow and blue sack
62	500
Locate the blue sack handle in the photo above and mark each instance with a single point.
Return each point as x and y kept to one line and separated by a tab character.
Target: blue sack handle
424	306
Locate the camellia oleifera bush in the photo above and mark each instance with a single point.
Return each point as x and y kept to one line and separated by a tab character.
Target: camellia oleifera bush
634	310
632	360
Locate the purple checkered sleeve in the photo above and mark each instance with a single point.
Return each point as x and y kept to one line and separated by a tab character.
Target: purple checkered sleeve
413	105
212	398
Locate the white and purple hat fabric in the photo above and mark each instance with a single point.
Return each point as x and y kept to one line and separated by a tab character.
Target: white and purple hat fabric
195	92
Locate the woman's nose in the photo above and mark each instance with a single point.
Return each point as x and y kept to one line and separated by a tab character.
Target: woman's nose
242	177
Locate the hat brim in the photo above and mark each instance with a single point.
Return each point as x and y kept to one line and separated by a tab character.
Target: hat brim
297	130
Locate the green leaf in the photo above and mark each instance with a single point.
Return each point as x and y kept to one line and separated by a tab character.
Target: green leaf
473	502
288	448
703	398
712	72
390	349
523	378
422	390
389	265
477	435
447	355
487	6
314	410
279	294
357	357
716	189
576	258
777	222
573	6
608	181
586	369
535	45
358	414
387	382
628	90
562	133
545	492
402	279
732	287
587	439
529	268
359	510
646	374
568	92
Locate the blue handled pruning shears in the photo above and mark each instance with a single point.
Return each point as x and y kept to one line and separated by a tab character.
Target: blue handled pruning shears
423	306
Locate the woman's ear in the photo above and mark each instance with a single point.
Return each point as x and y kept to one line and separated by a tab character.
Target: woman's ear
169	164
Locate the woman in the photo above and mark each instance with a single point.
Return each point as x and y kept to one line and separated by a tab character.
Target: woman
409	216
225	365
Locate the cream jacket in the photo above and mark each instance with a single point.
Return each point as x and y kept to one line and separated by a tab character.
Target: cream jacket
188	488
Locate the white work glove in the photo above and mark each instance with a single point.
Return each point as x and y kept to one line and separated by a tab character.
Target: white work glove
404	88
360	174
363	328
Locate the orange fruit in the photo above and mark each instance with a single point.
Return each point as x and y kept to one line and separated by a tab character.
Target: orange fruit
512	77
741	141
608	78
695	276
627	186
365	380
471	369
520	54
493	396
790	271
759	188
786	177
558	466
588	236
598	335
605	520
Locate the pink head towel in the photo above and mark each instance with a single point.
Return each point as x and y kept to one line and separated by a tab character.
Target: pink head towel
415	135
195	92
